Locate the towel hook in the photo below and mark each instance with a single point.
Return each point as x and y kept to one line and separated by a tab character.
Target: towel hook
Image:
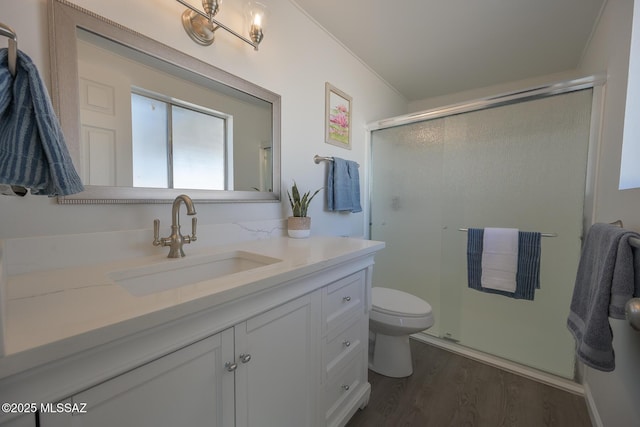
6	31
633	241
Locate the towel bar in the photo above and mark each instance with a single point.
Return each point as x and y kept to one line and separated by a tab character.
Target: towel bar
6	31
12	58
633	241
632	313
317	159
542	234
632	307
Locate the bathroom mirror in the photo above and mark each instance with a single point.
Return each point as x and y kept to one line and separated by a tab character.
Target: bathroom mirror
144	122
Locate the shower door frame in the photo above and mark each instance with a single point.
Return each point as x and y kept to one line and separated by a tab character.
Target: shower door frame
595	82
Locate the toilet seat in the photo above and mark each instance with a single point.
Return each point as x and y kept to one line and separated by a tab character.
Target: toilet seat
398	303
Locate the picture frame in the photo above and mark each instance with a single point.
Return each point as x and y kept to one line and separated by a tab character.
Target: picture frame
337	127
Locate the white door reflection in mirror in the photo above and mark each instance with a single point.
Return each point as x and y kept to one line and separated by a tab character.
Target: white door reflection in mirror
105	118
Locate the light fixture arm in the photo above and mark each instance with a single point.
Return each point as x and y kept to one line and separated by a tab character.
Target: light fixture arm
218	24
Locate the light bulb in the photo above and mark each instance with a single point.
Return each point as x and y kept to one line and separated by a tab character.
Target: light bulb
255	13
257	20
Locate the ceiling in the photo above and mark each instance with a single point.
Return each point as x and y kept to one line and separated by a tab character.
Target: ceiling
426	48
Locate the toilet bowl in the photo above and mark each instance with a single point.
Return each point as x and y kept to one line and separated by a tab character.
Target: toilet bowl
394	316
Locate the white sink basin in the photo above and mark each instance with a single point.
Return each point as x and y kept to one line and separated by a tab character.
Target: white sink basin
172	274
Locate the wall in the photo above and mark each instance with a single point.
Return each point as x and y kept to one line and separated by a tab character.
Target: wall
490	91
295	60
615	395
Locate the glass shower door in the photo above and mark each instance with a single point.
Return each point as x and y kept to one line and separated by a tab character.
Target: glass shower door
522	166
406	209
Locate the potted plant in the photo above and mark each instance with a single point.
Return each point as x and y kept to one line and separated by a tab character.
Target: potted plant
299	225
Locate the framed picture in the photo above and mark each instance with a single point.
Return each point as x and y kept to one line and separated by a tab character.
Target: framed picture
337	113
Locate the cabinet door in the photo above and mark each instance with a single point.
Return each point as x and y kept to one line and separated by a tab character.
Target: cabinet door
278	386
189	387
26	420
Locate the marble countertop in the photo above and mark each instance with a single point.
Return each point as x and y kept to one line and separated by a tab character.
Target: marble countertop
62	311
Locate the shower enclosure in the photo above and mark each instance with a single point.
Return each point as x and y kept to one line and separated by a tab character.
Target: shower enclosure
517	164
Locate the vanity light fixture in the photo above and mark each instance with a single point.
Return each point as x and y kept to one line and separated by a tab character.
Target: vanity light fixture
201	26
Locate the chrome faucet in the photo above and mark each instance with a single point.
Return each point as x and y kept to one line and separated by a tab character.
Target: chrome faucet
176	240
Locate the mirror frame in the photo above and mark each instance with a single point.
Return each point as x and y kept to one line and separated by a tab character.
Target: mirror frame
64	20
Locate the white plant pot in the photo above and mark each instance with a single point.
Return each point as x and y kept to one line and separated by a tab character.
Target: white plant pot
299	227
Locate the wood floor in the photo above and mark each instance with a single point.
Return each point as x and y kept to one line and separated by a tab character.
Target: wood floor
450	390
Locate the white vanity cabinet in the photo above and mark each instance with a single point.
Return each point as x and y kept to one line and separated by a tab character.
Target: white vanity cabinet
263	367
277	387
283	347
344	348
25	420
188	387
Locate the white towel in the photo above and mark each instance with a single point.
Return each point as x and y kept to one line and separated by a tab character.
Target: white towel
500	259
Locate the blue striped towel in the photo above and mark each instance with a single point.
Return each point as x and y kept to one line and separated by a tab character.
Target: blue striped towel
528	275
33	153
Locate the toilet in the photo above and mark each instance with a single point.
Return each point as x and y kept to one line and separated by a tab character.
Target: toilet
394	316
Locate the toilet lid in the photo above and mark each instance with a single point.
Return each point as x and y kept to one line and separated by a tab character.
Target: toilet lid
398	303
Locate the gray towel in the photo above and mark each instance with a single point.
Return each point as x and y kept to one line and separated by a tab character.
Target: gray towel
528	274
343	186
605	281
33	153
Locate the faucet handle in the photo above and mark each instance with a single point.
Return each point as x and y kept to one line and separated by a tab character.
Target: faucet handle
194	223
156	233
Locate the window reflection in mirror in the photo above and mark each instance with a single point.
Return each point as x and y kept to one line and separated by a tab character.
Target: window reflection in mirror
179	146
147	123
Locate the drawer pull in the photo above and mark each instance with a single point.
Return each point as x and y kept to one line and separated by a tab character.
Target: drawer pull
346	299
346	343
231	366
245	358
345	387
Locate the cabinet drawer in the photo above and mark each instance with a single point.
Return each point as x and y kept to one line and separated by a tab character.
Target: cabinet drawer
342	344
342	386
343	299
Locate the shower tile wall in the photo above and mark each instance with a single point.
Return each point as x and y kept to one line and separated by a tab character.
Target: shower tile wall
522	166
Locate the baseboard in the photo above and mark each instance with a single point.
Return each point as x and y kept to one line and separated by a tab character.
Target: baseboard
513	367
